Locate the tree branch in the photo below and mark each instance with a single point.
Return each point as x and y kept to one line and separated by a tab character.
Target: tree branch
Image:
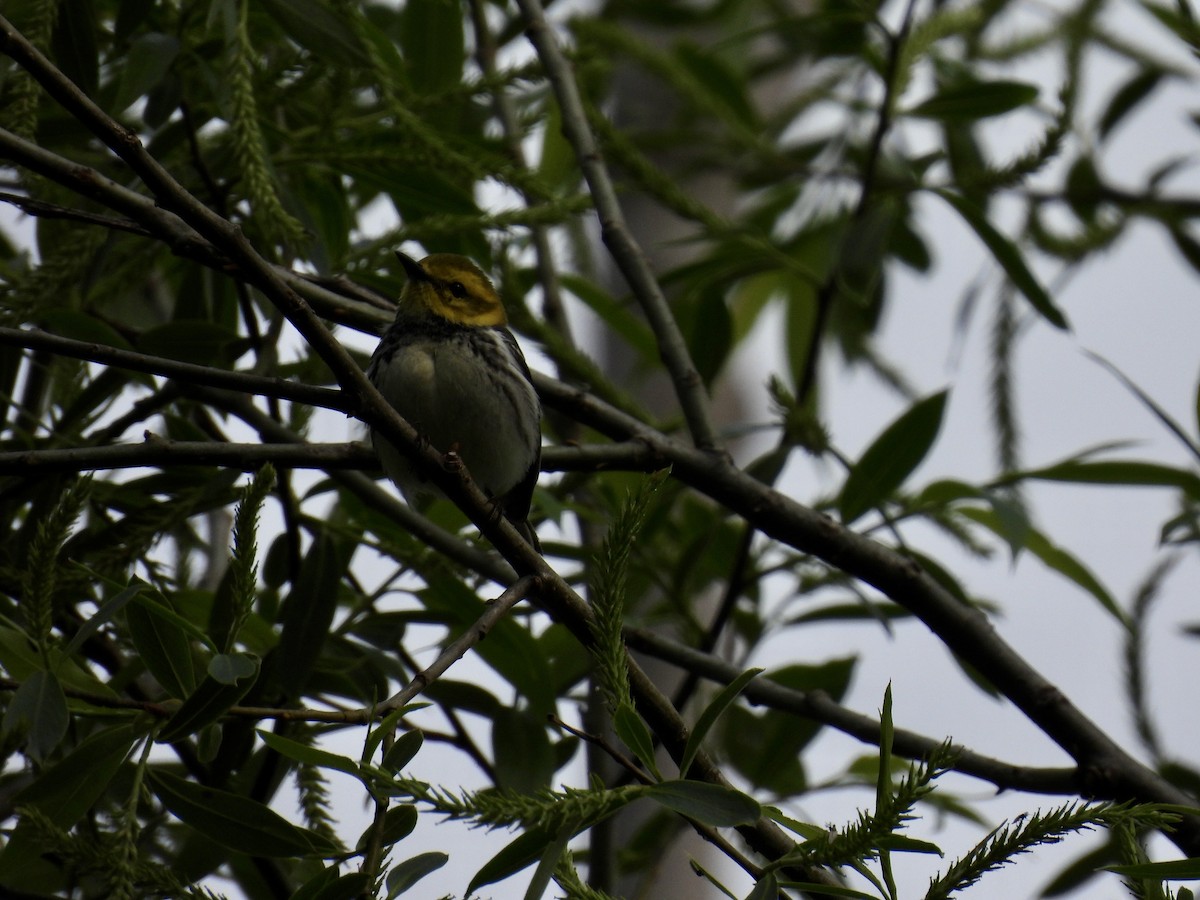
1105	769
819	707
210	376
156	450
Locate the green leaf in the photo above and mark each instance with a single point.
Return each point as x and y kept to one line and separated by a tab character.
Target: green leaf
67	790
403	876
709	717
196	341
883	783
431	37
74	48
1054	557
518	854
1151	404
713	804
146	62
308	612
719	81
308	755
1127	97
804	829
521	750
329	885
231	668
38	714
766	748
710	336
319	30
398	823
205	705
402	751
1134	473
549	860
904	844
892	457
79	326
1171	870
975	100
616	315
1008	256
162	645
103	615
633	731
766	888
235	822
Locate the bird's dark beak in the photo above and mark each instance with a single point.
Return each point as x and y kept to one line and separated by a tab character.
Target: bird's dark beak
412	268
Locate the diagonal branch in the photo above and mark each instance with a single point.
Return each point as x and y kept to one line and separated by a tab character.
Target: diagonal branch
689	387
1105	769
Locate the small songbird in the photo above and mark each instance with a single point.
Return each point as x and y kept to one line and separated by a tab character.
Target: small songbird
452	369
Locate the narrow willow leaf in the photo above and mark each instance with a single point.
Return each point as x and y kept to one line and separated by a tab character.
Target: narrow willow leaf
386	727
205	705
547	864
883	783
1131	472
1008	256
901	843
712	804
1127	98
67	790
766	888
709	717
330	886
37	713
311	756
163	646
1171	870
892	457
804	829
973	100
316	28
1054	557
103	615
518	854
235	822
147	61
1149	402
404	875
633	731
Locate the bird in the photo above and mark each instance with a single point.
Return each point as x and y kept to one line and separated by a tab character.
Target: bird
449	365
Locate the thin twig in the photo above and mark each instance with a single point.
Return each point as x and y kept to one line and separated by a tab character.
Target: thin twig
182	371
456	649
689	386
827	292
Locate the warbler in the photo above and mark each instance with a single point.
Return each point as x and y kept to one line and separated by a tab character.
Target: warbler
450	366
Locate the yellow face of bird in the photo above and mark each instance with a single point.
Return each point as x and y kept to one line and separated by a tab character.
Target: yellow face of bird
454	288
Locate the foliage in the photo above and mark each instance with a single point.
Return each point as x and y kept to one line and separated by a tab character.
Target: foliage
187	652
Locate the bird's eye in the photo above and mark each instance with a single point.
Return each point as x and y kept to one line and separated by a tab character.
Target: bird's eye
458	289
